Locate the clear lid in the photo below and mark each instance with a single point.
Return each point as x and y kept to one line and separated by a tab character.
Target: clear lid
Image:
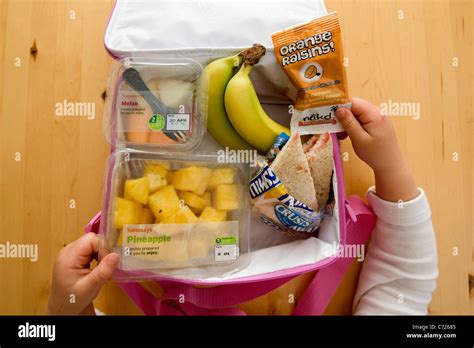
174	214
152	103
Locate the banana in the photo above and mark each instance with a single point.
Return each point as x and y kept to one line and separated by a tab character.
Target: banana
214	80
246	113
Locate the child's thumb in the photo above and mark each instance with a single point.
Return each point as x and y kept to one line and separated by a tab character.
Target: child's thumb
350	123
103	271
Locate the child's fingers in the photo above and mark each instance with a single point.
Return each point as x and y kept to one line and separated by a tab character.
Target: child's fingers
365	111
81	250
350	124
99	275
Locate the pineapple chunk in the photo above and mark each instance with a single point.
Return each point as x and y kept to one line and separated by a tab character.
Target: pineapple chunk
147	216
207	198
222	176
156	182
159	168
194	201
164	203
127	212
191	179
209	214
226	197
206	174
137	189
182	216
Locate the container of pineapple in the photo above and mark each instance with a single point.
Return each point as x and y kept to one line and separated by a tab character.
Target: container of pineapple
177	211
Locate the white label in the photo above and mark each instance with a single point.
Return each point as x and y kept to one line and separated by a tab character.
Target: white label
317	120
226	252
177	122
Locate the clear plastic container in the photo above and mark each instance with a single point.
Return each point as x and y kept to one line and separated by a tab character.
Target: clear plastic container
152	103
174	214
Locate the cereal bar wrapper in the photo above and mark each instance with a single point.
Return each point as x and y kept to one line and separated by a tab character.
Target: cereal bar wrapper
277	208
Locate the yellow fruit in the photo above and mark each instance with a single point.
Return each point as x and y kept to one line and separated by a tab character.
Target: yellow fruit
164	203
147	216
127	212
226	197
247	114
206	174
194	201
137	189
209	214
160	168
156	182
182	216
207	198
222	176
214	80
192	179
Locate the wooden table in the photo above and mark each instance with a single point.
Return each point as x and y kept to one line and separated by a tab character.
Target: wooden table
52	167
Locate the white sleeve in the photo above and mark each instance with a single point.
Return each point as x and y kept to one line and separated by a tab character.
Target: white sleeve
401	266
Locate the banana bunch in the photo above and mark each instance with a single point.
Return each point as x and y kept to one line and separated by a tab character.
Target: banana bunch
235	117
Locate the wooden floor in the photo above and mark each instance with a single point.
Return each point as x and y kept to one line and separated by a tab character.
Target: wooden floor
51	169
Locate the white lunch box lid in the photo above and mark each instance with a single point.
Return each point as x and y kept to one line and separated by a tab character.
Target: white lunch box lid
144	25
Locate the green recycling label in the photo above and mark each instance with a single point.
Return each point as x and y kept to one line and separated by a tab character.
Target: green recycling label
226	240
156	122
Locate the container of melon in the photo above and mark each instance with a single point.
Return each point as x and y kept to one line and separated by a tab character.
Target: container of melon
168	215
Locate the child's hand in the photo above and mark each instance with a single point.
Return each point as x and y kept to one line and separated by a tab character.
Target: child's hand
375	142
74	285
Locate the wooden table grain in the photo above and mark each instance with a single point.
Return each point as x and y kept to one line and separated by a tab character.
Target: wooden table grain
51	168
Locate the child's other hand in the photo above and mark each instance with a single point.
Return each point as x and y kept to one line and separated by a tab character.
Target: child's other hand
75	285
374	140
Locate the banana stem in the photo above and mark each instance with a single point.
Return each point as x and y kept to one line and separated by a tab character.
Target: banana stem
252	55
245	69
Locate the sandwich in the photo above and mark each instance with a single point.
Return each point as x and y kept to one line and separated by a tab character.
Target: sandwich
292	168
319	154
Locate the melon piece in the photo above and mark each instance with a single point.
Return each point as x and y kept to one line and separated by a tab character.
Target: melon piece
182	216
191	178
209	214
194	201
127	212
137	189
226	197
173	92
164	203
222	176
